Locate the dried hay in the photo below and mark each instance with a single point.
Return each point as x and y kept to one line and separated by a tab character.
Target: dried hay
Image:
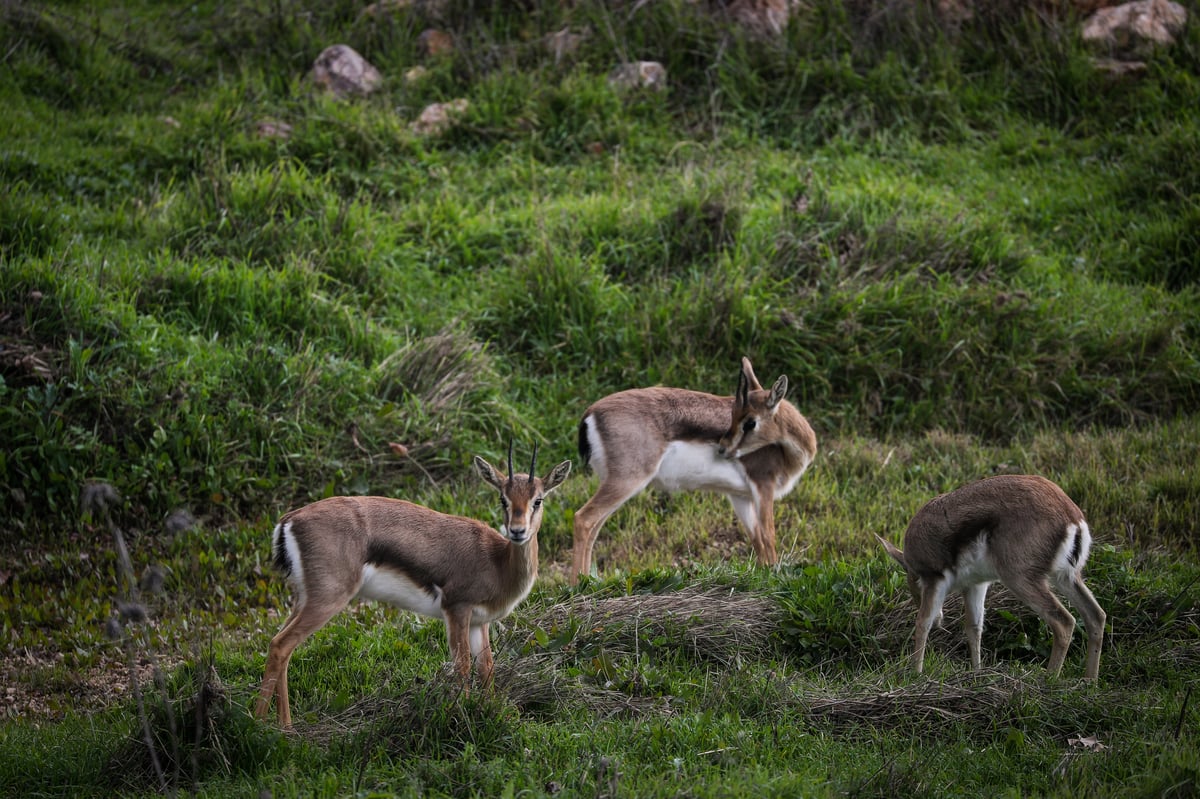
929	705
439	370
712	624
536	685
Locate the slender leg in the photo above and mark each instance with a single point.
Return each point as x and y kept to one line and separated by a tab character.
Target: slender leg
611	495
973	599
458	626
933	595
481	649
1038	596
1094	619
747	512
304	621
766	517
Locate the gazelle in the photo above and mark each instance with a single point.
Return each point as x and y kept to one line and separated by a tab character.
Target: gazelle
751	447
406	555
1019	529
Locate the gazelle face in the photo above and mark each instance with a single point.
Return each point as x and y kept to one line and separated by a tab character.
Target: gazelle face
521	507
753	425
521	495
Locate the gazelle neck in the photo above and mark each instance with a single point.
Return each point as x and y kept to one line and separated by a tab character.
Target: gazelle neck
520	565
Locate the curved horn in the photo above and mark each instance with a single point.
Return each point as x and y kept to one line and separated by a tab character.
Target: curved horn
510	471
533	463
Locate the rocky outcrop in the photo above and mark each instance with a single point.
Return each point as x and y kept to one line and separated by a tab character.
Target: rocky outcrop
439	117
344	73
1135	29
639	75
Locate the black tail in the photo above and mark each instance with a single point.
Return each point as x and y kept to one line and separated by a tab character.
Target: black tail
1076	547
280	554
585	446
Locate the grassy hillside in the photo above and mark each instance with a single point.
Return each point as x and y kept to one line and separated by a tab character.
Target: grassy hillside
969	250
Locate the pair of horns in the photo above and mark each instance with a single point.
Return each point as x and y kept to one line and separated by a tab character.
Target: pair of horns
532	464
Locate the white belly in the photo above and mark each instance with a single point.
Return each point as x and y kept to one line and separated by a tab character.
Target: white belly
974	566
392	587
686	466
385	585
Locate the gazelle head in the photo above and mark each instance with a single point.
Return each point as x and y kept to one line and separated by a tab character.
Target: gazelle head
915	586
521	495
754	408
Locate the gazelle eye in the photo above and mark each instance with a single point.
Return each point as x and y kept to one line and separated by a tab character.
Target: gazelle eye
749	425
537	503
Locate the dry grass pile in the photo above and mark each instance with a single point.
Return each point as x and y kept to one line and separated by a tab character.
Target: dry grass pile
718	625
984	697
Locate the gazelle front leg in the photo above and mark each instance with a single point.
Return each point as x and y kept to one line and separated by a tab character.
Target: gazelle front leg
766	522
973	600
458	632
746	510
481	650
933	595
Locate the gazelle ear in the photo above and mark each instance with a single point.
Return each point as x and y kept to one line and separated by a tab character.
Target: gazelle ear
777	392
489	473
748	375
556	476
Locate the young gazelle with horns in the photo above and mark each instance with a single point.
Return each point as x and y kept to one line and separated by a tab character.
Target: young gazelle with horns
751	447
393	551
1019	529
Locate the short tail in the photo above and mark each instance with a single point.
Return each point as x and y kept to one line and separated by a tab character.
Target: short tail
585	446
280	557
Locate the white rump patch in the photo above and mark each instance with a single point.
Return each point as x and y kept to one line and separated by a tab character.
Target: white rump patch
597	459
296	577
1062	558
688	466
392	587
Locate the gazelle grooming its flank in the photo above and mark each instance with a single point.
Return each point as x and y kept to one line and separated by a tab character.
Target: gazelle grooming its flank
1019	529
406	555
751	447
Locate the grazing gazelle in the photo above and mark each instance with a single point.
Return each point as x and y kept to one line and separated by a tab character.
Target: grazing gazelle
751	447
1019	529
406	555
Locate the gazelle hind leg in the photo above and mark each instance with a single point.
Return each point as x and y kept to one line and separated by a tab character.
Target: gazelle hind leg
1094	620
611	495
304	621
275	660
1038	596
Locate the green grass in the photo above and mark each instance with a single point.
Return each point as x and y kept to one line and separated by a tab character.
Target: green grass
970	253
